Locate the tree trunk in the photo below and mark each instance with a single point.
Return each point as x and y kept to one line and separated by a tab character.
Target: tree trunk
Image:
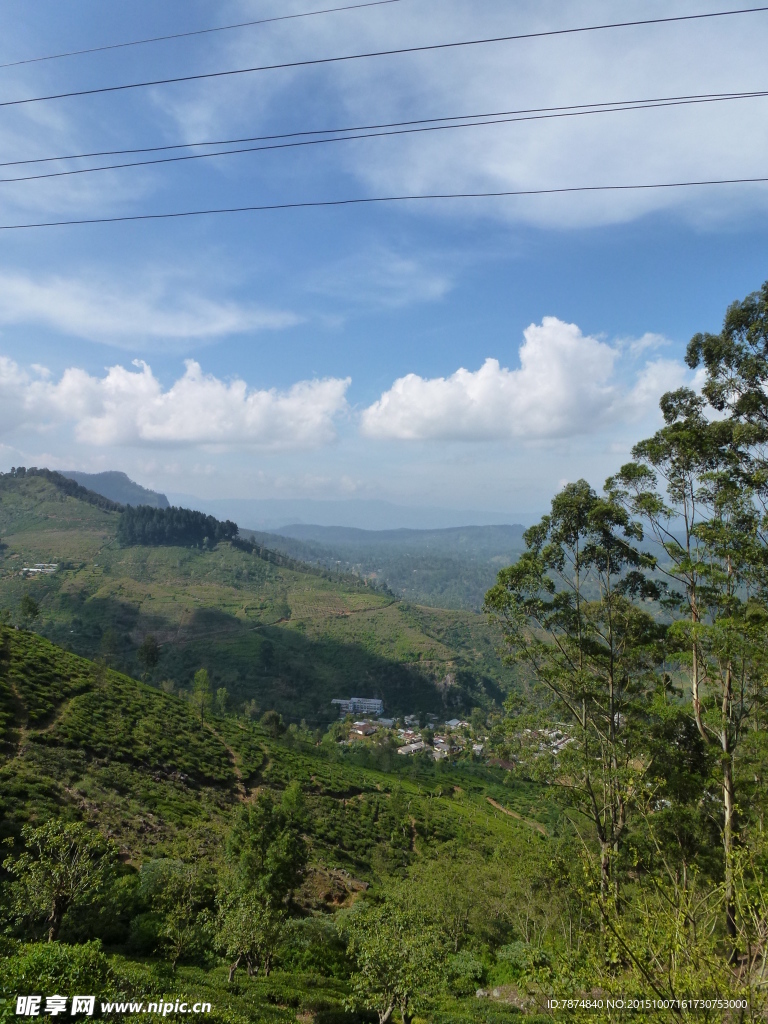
54	920
729	828
605	871
232	968
384	1015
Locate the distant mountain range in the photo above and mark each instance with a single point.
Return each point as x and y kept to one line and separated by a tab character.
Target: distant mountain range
272	514
442	557
119	487
446	568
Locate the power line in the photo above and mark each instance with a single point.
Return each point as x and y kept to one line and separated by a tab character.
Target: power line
372	132
197	32
371	200
375	53
426	126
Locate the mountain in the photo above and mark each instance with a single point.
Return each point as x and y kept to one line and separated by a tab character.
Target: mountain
478	541
269	629
273	513
118	487
84	740
447	568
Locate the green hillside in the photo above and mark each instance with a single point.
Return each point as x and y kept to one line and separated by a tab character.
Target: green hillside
81	743
447	568
266	627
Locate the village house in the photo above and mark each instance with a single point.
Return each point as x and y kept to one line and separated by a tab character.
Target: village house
363	729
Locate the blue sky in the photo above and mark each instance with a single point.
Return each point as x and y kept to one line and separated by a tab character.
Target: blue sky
469	354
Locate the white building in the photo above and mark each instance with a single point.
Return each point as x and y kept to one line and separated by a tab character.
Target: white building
359	706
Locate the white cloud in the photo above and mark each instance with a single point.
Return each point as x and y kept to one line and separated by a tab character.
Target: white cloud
691	142
648	342
566	385
385	278
130	407
654	379
102	311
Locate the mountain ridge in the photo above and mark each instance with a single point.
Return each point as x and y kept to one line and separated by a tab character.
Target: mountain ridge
118	487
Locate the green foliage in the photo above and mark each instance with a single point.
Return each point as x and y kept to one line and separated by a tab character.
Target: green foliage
149	652
201	697
398	953
269	629
55	967
65	486
267	847
123	720
249	925
181	895
272	723
63	866
566	611
146	525
466	972
444	568
29	608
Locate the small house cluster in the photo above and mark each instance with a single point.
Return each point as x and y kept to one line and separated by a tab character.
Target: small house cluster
45	568
447	738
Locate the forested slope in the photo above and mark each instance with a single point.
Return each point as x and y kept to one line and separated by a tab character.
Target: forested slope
266	627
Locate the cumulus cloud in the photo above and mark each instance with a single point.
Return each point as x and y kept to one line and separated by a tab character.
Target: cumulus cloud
566	385
101	311
564	380
130	407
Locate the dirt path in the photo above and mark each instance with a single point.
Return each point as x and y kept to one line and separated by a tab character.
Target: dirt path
513	814
242	792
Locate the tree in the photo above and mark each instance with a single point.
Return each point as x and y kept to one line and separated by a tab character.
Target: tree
149	653
267	847
736	364
179	892
398	953
201	693
566	613
695	491
64	865
249	926
272	723
222	698
250	709
29	608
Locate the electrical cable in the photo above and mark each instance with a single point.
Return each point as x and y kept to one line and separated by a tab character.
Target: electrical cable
313	62
393	129
372	200
197	32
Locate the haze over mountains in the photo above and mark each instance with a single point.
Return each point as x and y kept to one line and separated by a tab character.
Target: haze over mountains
273	514
435	556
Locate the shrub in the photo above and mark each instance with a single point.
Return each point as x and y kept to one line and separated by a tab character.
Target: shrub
55	967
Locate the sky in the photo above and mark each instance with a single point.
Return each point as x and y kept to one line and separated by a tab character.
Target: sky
469	353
